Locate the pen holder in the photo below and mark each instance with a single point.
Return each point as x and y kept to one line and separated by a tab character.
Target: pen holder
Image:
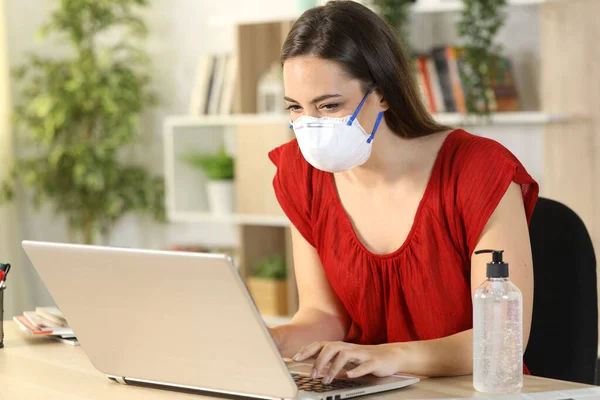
2	288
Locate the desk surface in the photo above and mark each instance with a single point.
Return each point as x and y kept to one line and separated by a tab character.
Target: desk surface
40	368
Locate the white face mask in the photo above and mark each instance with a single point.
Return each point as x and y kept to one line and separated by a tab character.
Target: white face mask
334	144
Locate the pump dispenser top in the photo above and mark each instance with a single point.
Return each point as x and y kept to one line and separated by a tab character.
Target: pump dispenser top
497	268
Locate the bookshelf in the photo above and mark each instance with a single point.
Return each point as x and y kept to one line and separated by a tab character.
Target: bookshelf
567	123
232	219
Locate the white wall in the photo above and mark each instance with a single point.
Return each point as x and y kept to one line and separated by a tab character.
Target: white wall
180	32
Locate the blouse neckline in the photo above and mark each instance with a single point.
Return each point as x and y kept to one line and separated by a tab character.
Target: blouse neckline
435	171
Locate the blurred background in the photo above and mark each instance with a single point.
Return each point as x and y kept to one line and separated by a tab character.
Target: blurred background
147	124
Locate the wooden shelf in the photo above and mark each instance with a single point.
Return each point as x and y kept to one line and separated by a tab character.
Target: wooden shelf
233	219
456	119
443	6
507	118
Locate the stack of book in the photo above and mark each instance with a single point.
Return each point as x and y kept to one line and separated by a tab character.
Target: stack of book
443	88
48	322
214	85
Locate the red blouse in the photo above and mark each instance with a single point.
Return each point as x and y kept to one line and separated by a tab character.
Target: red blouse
422	290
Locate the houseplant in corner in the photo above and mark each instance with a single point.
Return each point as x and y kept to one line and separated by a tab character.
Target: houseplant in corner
219	170
478	27
397	14
268	286
77	115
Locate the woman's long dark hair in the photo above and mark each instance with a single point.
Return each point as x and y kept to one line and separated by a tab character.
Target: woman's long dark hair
368	50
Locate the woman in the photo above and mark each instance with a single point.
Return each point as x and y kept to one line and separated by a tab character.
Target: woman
386	219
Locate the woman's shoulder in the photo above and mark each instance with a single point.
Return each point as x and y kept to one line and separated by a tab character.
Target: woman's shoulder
293	185
472	160
469	158
465	147
292	170
286	153
475	173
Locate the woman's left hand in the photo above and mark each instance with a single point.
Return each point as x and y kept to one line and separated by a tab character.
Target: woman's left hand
379	360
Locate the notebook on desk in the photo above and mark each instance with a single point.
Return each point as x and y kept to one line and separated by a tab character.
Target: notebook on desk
127	308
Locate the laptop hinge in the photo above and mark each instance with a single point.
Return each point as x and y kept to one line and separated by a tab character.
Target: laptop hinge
121	380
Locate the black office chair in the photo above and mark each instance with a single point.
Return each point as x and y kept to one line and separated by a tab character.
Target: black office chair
563	343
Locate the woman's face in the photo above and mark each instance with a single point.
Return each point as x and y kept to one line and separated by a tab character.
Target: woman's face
320	88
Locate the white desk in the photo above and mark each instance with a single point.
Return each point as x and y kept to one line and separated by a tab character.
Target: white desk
41	369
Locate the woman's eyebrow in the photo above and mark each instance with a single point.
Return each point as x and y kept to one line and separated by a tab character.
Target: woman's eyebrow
316	99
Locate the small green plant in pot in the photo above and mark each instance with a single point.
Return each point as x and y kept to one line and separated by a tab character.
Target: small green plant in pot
269	286
219	171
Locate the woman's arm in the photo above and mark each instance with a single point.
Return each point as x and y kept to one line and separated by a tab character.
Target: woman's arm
506	230
321	316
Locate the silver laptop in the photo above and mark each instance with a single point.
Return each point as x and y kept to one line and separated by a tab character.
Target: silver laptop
177	320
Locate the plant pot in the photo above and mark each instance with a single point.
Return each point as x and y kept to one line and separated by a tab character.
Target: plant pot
220	196
270	295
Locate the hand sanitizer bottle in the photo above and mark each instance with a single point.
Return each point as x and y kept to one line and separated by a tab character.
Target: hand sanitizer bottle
497	331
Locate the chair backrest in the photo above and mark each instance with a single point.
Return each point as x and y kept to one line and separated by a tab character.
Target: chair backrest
563	343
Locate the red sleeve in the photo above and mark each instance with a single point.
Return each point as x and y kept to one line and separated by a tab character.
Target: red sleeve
486	171
293	187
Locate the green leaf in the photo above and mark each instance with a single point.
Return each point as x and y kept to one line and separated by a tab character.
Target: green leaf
219	166
397	14
478	27
273	267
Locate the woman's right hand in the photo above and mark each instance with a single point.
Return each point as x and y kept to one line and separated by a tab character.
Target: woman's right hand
321	315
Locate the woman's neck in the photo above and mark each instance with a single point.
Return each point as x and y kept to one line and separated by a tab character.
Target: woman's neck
391	158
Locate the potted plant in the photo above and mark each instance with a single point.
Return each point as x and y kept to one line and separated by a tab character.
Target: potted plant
79	113
219	170
268	286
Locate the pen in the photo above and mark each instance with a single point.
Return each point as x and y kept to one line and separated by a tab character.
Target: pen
4	268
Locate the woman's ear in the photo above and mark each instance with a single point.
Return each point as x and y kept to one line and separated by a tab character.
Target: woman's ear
383	104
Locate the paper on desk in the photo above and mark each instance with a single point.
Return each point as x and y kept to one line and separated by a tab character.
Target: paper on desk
572	394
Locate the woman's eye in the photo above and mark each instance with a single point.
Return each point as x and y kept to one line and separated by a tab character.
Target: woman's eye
293	107
331	106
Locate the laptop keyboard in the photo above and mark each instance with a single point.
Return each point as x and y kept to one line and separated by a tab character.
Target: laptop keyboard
316	385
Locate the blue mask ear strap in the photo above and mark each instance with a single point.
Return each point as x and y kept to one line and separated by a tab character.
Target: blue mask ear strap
377	122
362	102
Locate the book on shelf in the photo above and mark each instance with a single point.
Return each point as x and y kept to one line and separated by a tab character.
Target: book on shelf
440	77
201	84
458	89
214	85
229	84
443	72
504	86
